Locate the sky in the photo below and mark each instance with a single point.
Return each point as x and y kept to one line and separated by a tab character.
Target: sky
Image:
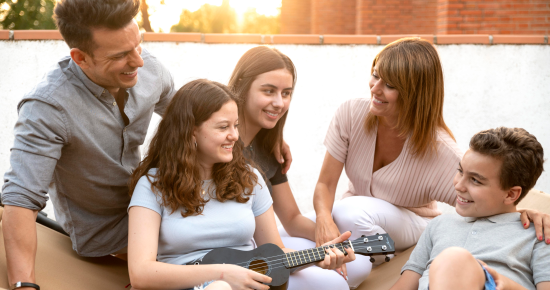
164	16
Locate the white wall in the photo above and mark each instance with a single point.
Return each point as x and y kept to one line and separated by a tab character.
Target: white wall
486	87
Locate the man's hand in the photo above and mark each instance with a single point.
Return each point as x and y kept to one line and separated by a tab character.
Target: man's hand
540	220
283	156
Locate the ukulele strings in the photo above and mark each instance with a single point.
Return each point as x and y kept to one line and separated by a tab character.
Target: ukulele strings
357	245
281	261
281	258
280	264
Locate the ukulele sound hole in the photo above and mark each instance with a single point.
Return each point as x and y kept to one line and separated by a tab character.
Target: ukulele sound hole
259	265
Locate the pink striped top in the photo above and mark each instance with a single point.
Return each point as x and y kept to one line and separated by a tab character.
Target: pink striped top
411	182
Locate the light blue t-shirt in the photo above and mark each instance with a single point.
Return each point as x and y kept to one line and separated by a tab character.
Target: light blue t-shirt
221	224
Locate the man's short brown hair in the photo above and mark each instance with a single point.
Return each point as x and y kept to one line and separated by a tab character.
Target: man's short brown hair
521	154
76	19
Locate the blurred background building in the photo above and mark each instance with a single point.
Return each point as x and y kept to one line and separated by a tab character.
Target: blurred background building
380	17
206	16
415	17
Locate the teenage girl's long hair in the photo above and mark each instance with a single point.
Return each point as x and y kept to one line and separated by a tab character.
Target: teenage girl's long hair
173	152
413	67
254	62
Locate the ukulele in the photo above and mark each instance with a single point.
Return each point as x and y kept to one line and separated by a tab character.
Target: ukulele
270	260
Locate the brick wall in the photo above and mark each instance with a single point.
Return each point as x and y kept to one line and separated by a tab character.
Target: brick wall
333	16
415	16
493	17
296	16
396	16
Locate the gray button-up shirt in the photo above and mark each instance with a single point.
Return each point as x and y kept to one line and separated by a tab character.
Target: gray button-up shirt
499	240
71	143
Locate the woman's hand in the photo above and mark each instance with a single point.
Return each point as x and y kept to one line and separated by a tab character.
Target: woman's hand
540	220
323	199
243	279
325	230
334	258
283	156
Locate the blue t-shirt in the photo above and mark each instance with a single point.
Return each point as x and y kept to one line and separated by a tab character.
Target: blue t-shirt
221	224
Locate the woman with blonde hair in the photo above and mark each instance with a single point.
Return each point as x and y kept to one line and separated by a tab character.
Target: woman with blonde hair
194	192
399	154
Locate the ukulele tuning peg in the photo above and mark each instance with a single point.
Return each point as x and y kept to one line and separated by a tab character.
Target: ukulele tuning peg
387	259
372	260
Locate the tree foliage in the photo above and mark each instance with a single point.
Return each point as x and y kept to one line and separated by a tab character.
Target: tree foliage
223	19
26	14
259	23
208	19
37	14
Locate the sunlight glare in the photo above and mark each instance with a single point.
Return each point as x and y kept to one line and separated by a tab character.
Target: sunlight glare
164	16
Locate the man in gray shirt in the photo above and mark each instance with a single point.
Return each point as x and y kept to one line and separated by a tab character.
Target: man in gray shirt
78	134
486	246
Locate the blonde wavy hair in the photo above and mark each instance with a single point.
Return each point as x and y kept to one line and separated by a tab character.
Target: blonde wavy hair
413	67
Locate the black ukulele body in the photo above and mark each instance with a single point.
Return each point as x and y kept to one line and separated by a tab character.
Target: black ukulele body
266	259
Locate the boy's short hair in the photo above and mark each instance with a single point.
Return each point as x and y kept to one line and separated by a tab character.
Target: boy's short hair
76	19
521	154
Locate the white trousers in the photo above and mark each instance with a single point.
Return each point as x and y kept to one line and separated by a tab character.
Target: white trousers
366	216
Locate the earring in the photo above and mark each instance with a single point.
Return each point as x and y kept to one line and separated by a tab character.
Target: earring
195	144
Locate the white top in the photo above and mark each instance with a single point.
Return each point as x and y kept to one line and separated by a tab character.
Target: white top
411	182
221	224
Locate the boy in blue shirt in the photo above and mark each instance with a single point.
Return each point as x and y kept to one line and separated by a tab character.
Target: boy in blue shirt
485	247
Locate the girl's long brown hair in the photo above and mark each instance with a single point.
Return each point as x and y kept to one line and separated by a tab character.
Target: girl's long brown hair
173	152
254	62
413	67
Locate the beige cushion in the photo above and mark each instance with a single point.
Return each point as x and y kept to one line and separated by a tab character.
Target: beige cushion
59	267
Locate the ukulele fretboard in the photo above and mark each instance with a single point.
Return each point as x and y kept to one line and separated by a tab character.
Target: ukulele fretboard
303	257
